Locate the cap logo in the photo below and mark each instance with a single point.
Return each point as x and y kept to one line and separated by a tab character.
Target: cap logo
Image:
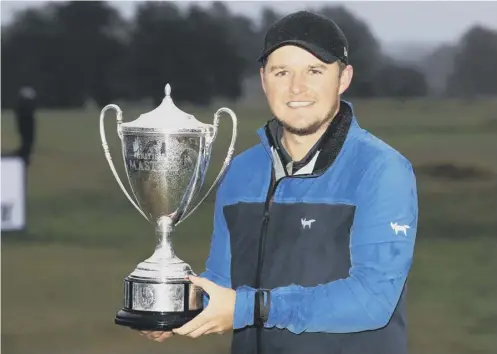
345	52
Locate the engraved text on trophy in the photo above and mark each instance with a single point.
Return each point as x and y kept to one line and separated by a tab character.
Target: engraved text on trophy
161	170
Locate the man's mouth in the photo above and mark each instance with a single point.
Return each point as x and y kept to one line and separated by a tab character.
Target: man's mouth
297	104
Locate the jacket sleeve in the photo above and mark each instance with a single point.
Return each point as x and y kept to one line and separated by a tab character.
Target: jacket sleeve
219	259
381	250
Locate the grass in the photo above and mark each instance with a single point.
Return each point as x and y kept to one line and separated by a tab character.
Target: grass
62	277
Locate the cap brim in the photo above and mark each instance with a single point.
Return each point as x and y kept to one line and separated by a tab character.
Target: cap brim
318	52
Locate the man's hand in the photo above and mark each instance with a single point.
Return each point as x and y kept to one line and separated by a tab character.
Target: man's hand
217	316
158	336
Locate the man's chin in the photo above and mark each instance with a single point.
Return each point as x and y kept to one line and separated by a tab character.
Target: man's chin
302	131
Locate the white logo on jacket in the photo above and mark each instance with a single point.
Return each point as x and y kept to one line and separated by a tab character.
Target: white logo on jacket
399	228
307	223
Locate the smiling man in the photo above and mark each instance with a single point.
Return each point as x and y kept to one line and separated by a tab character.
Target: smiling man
306	253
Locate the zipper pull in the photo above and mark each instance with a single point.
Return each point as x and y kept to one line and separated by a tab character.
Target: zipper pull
266	216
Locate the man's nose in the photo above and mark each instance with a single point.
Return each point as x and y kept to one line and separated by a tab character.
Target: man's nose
298	85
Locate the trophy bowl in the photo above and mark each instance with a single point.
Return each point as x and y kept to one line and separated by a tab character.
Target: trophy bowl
166	154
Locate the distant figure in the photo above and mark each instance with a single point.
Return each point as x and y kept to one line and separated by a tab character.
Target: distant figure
25	117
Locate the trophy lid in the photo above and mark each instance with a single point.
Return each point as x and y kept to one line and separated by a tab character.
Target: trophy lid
166	118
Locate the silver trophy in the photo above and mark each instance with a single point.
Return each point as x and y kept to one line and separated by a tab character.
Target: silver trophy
166	153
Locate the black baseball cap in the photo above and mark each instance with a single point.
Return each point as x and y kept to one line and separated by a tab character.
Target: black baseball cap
315	33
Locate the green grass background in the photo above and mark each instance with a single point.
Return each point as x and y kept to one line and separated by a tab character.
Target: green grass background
62	277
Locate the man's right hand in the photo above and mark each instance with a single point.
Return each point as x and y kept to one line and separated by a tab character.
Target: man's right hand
158	336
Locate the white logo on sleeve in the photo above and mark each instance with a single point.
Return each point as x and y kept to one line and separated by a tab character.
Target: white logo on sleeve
399	228
307	223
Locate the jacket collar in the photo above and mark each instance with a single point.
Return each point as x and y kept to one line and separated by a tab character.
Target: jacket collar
330	144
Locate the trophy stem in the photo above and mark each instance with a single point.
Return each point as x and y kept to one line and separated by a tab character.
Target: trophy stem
164	248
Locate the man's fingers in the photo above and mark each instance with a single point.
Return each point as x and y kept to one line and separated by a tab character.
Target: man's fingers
158	336
202	330
153	335
204	283
193	325
150	334
162	337
215	330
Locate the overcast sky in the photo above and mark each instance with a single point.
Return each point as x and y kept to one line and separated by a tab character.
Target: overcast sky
390	21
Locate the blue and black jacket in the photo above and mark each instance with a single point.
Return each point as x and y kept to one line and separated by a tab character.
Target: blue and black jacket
319	259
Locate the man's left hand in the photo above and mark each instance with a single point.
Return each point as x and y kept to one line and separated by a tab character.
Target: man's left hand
217	316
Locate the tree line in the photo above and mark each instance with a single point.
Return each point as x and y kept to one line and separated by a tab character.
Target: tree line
72	52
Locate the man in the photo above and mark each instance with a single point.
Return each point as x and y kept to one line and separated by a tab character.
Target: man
314	227
25	118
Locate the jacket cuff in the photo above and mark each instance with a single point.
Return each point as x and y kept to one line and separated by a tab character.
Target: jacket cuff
244	307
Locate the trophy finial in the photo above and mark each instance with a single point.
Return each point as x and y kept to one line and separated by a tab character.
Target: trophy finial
166	116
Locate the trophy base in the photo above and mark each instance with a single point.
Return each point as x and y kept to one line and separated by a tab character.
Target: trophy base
162	306
154	321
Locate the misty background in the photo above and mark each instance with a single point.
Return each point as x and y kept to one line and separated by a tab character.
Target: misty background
79	53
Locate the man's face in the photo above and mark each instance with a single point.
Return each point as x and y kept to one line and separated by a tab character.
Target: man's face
303	92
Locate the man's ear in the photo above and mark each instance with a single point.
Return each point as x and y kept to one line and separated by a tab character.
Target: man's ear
263	84
346	79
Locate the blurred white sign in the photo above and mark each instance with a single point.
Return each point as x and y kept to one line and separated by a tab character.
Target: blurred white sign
13	193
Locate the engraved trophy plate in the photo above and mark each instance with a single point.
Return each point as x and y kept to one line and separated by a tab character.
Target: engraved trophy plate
166	154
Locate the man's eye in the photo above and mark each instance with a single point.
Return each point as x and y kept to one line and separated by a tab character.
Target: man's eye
315	72
281	73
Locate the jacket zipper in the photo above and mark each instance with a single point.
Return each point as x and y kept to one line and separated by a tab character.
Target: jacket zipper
262	244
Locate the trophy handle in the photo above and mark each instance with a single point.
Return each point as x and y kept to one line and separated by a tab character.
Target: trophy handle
227	160
107	152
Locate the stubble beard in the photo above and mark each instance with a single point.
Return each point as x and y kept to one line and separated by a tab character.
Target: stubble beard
312	128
